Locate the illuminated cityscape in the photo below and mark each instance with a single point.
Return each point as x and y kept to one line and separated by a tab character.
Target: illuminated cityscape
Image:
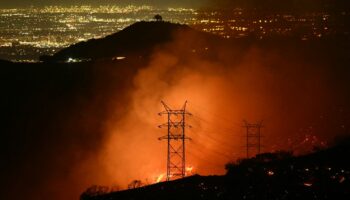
27	33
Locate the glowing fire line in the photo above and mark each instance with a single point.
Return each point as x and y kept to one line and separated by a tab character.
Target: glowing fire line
160	177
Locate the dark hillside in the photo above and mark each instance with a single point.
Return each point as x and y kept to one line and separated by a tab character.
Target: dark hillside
138	39
321	175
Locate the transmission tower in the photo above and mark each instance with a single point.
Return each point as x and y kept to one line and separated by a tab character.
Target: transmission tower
176	124
253	136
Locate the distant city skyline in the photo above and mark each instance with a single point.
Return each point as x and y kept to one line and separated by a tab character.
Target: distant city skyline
266	5
160	3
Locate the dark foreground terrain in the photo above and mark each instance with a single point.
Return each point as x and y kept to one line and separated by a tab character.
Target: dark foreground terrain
321	175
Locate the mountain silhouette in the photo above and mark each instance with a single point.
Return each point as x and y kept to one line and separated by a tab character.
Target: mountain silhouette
137	39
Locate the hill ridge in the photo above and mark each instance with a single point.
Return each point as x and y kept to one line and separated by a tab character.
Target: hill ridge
139	38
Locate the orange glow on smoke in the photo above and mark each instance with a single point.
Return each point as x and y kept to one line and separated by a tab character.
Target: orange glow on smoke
219	96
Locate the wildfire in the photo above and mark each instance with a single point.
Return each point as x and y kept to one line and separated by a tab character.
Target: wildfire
160	178
189	170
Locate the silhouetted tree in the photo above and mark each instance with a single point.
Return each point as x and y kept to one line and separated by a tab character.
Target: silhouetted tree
158	18
135	184
94	190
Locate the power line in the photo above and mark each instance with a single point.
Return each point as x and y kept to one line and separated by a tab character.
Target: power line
222	129
229	121
212	138
200	147
199	155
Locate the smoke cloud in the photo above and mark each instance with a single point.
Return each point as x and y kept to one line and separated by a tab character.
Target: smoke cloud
289	91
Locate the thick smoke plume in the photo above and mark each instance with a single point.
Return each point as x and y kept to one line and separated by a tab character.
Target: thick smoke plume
292	94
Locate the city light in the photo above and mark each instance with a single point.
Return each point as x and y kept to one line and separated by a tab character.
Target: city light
27	33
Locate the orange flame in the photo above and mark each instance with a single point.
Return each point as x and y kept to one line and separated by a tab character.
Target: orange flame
189	170
160	178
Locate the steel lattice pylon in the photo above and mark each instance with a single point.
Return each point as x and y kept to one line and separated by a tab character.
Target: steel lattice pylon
176	125
253	136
